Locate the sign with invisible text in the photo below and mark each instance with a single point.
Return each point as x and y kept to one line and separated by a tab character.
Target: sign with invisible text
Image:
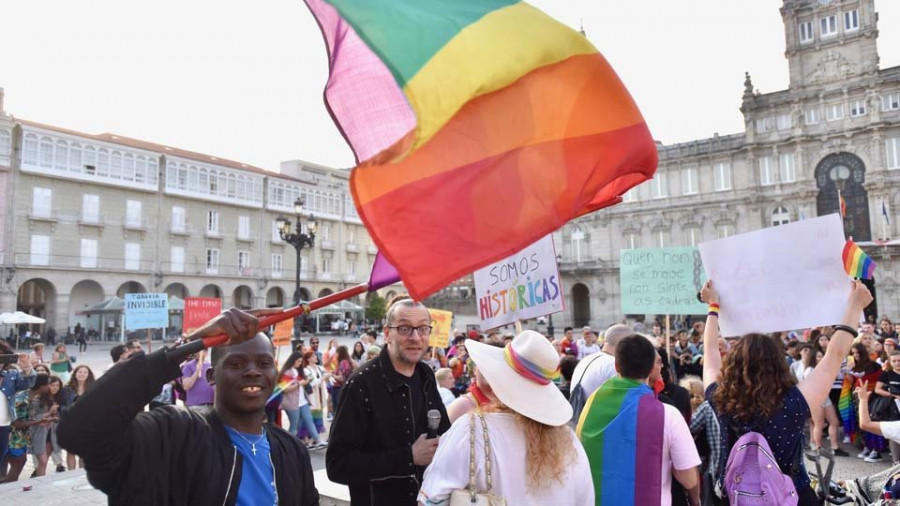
780	278
146	311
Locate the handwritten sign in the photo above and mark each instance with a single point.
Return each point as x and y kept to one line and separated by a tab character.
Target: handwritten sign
521	286
440	334
661	281
146	311
282	333
199	310
780	278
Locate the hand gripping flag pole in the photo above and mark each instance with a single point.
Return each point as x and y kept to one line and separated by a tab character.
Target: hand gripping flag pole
383	274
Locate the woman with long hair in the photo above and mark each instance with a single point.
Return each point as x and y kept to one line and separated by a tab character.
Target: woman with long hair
81	380
343	370
535	457
316	394
359	353
59	399
42	409
864	370
290	395
752	389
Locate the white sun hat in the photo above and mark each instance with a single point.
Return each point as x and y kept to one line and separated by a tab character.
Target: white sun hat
520	375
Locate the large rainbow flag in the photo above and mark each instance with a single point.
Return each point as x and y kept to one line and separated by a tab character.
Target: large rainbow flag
621	428
479	126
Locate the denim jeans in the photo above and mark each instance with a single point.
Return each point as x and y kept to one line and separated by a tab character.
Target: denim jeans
335	395
293	420
306	417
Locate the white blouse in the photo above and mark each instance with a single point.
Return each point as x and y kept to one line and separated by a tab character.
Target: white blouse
449	470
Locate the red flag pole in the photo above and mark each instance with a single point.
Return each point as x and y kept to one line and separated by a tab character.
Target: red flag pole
269	320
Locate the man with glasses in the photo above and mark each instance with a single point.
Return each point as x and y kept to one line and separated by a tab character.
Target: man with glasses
378	444
314	346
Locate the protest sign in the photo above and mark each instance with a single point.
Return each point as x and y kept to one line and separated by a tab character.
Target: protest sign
661	281
780	278
440	334
282	333
199	310
146	311
521	286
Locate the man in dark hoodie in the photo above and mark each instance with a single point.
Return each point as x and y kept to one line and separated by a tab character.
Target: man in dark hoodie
173	456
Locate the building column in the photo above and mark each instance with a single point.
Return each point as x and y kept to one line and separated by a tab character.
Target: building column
59	318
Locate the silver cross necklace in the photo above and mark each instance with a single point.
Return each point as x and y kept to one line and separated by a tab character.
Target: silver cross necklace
252	443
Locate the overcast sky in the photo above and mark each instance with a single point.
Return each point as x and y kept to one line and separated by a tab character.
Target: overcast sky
243	80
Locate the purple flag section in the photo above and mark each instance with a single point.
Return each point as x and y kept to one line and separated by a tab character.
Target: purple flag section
383	274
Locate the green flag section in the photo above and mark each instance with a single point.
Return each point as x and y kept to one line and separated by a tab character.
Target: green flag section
661	281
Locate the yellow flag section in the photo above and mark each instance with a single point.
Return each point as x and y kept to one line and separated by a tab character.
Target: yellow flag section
440	334
283	332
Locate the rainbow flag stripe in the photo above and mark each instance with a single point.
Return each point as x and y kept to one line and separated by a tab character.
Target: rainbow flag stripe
845	408
280	386
856	262
480	125
621	428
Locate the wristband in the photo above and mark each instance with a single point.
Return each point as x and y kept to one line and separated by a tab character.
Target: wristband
713	310
850	330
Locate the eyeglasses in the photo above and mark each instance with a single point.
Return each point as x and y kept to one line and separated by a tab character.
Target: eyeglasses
406	330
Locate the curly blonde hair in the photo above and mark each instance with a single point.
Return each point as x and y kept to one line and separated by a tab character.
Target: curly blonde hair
548	449
755	378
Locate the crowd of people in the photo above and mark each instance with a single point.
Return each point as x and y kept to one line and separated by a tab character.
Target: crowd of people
529	418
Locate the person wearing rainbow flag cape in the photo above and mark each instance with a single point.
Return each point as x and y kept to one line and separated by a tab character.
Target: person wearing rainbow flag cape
624	428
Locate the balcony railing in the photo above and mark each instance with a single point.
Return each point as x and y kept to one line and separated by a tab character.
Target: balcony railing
326	244
82	263
352	247
371	249
94	220
43	214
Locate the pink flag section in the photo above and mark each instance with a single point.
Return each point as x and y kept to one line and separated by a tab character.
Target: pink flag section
361	93
383	274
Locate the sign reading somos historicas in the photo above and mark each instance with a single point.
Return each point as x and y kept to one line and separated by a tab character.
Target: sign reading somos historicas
661	281
521	286
146	311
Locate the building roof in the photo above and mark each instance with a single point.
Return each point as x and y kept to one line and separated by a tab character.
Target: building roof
164	150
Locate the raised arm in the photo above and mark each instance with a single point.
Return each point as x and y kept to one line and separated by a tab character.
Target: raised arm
865	421
816	386
712	361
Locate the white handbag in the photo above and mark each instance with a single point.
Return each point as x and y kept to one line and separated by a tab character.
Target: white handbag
470	496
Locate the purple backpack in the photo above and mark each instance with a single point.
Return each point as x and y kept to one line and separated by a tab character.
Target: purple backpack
752	475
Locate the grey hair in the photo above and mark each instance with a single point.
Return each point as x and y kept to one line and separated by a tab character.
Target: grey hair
616	333
402	302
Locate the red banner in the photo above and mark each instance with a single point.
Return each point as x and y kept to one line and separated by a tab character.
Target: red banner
199	310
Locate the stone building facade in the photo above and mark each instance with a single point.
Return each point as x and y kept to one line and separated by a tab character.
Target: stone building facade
837	124
87	217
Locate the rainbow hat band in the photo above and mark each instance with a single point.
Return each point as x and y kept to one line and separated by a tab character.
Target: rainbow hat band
529	370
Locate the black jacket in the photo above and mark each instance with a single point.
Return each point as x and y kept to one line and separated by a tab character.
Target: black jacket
168	455
370	446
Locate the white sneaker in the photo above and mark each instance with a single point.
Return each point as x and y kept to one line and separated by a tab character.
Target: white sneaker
846	440
863	454
873	457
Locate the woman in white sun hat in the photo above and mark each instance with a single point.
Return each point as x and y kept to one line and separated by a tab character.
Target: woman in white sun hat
535	458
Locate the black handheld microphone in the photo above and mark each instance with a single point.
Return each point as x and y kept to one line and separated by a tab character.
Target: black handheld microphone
434	421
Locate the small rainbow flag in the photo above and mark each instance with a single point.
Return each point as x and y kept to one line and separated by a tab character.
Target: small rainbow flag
620	430
856	262
283	383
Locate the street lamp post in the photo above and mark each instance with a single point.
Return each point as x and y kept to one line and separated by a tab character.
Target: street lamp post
298	240
839	174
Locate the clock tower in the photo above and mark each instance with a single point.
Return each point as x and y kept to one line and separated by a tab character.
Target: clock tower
830	41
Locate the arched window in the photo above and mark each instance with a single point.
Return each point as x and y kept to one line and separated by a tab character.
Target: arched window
46	152
213	182
90	160
232	184
182	176
61	158
75	158
152	168
780	216
5	145
204	179
194	179
221	185
115	165
30	150
140	169
103	162
128	167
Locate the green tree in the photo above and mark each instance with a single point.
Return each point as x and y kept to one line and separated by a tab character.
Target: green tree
376	307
